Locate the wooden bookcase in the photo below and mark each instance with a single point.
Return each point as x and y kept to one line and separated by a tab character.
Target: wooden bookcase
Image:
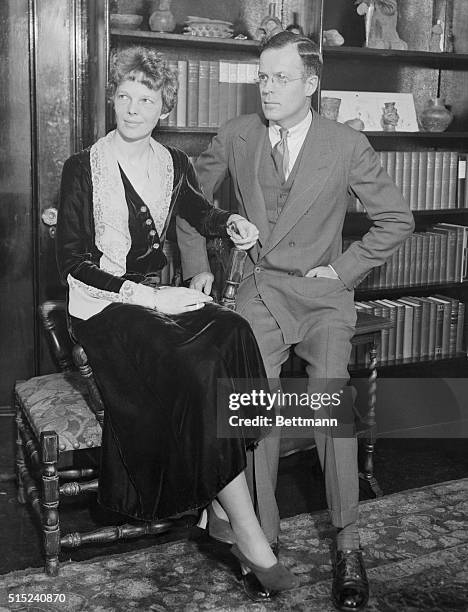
354	68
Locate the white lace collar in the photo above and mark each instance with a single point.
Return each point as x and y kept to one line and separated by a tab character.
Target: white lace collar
110	211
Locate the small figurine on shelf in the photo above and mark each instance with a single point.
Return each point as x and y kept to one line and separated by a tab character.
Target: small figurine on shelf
332	38
381	24
436	44
269	26
390	117
330	107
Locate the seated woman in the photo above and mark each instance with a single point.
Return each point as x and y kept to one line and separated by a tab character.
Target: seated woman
157	352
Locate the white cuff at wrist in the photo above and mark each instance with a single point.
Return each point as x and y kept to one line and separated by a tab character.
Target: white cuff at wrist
135	293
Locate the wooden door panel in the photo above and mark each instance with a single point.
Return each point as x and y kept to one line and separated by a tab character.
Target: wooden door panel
59	60
17	321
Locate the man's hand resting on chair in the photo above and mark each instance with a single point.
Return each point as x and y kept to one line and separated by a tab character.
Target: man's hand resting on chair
243	233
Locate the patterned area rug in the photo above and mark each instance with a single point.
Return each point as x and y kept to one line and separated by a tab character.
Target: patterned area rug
416	550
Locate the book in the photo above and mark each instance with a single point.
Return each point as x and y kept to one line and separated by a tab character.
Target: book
442	327
181	111
213	94
448	258
192	92
399	170
407	350
454	345
406	177
232	90
425	259
423	326
413	191
461	182
431	156
398	317
403	257
452	180
422	180
418	263
241	99
172	117
416	333
461	249
430	330
203	92
437	181
223	92
444	187
442	260
391	161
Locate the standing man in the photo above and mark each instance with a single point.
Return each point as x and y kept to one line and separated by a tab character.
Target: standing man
292	172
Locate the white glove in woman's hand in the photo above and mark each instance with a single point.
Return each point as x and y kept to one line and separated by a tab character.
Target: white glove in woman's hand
177	300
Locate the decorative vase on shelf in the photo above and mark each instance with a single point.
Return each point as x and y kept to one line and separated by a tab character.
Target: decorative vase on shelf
330	107
162	20
390	117
436	117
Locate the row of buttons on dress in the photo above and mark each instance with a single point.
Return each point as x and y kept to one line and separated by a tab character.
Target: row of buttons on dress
149	223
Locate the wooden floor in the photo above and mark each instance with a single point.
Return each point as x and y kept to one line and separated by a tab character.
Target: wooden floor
399	465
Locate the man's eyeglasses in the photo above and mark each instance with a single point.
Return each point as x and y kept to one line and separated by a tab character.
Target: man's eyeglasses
279	78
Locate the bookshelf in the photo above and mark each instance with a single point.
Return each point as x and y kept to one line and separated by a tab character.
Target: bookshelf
354	68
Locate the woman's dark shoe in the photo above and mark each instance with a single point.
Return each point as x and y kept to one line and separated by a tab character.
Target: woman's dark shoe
261	584
350	589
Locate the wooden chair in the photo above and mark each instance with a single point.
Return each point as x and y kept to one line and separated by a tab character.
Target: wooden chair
59	421
59	418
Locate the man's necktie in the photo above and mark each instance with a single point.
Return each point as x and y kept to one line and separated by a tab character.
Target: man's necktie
280	154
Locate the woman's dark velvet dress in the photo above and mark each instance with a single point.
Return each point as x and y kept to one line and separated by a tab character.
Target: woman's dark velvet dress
158	374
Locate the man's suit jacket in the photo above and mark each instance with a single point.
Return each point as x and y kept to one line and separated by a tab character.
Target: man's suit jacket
335	161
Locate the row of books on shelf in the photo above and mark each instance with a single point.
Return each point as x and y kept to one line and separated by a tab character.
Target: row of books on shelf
436	256
428	180
425	328
212	91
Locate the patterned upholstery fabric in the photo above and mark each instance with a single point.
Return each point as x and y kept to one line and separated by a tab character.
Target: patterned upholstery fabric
58	402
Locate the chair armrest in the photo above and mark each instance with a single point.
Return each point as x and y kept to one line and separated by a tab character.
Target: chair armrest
53	318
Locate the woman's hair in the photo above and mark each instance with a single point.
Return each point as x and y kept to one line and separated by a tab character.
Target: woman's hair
145	66
308	50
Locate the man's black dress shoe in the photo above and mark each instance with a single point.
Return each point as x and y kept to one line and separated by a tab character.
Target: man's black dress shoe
350	589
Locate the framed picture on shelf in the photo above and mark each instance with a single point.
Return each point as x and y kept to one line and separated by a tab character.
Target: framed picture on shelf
378	111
